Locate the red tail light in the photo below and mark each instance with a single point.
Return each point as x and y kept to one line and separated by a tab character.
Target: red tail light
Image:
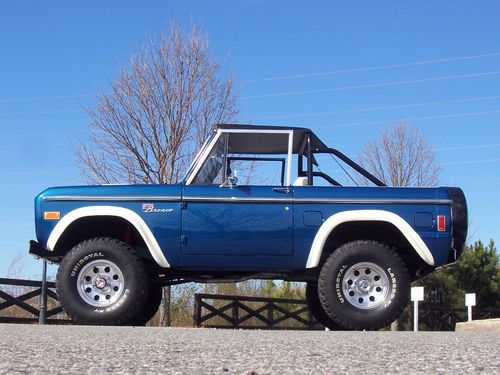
441	223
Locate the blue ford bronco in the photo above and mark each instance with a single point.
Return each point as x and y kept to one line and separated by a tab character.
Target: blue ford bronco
254	204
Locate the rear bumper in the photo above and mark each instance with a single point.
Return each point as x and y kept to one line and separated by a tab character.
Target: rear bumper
38	251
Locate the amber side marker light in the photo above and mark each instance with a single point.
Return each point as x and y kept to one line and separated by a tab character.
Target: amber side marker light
51	215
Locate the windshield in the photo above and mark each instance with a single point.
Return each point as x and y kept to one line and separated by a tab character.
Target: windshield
252	158
211	172
198	156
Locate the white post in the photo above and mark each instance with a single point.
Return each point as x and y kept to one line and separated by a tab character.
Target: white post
470	300
415	316
417	294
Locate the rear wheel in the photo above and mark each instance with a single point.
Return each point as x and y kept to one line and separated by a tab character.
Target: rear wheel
102	281
363	285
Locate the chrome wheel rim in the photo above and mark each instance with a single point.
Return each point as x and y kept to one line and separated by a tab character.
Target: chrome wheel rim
365	285
100	283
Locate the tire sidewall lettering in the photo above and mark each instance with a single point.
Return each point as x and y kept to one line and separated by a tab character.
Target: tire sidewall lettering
83	260
393	281
338	284
116	305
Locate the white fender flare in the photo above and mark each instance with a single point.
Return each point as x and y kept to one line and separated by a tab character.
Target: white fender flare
129	215
367	215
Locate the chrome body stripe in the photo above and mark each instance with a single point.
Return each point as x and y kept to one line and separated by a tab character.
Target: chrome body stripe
112	198
372	201
318	200
238	200
249	199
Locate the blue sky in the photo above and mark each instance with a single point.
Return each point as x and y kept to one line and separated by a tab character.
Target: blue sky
298	63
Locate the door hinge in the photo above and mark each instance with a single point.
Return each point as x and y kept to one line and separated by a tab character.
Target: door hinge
184	205
184	238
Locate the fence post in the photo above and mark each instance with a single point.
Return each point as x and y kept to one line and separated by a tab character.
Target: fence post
270	314
310	319
165	307
197	310
235	314
42	317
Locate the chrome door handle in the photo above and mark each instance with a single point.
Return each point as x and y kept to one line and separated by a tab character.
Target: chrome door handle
284	190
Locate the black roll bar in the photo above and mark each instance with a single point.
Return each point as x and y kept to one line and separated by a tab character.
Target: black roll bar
353	165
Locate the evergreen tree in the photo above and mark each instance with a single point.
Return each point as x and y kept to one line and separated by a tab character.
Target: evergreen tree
477	271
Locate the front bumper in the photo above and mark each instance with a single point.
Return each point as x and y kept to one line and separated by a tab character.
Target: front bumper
38	251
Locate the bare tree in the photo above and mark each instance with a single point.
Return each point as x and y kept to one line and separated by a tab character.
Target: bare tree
157	113
401	157
155	116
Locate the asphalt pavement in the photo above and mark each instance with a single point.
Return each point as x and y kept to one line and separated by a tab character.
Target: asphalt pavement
119	350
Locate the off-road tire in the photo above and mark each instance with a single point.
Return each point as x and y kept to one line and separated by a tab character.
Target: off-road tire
350	280
118	299
316	308
150	307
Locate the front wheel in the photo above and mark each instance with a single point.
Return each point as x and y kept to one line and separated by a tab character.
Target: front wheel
150	307
363	285
102	281
316	308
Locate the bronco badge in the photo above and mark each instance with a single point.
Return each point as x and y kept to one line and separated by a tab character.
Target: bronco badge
150	208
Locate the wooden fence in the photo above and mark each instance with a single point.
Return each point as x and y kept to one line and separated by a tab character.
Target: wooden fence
24	301
222	311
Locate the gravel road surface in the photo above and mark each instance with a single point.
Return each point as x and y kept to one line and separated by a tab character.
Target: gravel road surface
100	350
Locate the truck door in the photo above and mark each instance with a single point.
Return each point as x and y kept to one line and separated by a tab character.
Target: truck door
243	220
237	212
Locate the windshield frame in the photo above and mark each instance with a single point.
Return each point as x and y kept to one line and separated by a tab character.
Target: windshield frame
198	155
200	161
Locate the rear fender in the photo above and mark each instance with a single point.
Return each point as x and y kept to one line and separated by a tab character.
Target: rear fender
367	215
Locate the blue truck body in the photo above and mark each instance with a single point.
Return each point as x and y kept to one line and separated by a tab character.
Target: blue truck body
357	247
255	235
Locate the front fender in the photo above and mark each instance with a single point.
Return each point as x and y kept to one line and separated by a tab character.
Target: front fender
124	213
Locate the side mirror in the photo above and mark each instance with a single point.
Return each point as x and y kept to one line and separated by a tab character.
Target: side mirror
231	181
